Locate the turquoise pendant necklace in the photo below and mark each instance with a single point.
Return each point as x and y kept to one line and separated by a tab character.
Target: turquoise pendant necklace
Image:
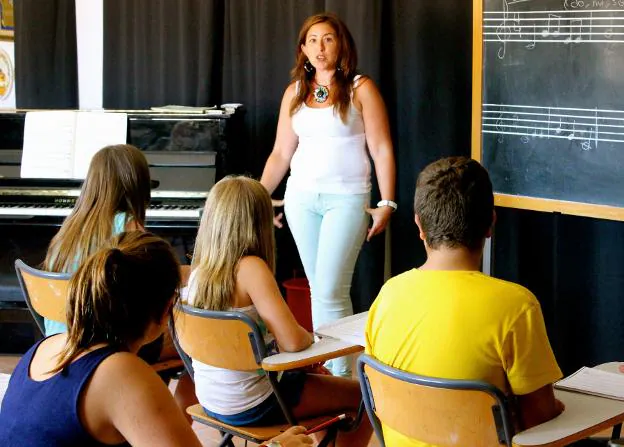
321	93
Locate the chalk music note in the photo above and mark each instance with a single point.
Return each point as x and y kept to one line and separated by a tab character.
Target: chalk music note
571	135
608	32
531	45
575	25
516	23
548	131
552	29
558	129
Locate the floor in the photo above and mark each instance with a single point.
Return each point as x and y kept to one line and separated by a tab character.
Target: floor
208	436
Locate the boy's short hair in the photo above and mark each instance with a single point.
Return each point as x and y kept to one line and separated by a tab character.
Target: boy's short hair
455	203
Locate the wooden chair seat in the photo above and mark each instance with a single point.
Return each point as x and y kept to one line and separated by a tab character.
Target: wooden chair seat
250	432
46	293
433	410
232	340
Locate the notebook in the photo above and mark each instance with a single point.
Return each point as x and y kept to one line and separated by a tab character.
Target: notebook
350	329
595	382
4	383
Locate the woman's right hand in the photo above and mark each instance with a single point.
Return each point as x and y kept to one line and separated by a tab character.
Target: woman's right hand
294	437
277	219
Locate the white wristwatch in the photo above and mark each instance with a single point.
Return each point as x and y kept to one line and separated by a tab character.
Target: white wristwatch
389	203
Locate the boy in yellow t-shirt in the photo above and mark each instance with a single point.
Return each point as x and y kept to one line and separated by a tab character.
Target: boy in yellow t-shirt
447	319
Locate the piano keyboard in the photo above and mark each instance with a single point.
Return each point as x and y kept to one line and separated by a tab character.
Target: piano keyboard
157	212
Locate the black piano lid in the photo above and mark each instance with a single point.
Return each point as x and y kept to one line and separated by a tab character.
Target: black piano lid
49	183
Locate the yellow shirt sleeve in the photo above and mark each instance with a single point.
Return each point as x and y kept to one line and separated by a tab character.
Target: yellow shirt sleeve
528	358
370	324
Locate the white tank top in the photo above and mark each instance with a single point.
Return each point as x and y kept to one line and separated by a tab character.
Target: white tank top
228	392
331	156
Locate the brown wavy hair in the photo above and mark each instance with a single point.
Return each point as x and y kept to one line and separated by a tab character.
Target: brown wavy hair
118	181
346	66
117	292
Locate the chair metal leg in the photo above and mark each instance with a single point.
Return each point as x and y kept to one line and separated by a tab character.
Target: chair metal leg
288	414
331	435
617	429
226	441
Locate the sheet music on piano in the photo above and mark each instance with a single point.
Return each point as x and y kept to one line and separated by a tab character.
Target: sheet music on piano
61	143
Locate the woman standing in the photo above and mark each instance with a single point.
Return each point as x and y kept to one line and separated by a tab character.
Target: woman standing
328	116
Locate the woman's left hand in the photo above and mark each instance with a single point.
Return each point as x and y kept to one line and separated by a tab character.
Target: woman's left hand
277	219
380	216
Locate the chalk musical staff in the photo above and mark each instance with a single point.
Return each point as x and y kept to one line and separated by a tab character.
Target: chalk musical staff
562	26
587	126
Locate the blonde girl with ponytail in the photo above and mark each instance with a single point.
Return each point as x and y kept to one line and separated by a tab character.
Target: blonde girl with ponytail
233	269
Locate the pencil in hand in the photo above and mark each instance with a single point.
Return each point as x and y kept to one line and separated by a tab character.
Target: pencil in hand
328	423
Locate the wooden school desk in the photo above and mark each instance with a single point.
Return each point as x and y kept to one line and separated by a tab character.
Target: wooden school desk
343	337
584	415
320	351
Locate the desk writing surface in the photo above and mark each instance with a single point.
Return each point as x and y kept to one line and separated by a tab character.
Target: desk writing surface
584	415
320	351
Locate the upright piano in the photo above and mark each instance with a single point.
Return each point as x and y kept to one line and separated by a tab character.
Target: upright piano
186	153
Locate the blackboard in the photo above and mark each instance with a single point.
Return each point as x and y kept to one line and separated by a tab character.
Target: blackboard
548	103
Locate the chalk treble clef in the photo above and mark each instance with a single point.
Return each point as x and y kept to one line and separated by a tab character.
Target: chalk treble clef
502	31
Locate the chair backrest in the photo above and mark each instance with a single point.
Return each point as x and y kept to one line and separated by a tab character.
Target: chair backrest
435	411
212	337
45	292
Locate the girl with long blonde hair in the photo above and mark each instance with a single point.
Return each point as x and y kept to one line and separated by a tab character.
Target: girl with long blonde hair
233	269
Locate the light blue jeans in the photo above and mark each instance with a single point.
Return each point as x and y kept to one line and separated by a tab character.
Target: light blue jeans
329	230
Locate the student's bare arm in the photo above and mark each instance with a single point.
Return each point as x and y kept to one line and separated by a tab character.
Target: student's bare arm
538	407
135	403
256	279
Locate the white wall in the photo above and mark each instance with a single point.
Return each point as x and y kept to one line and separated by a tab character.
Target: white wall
90	43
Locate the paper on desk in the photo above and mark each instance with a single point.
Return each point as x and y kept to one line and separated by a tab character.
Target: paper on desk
594	381
350	329
4	383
